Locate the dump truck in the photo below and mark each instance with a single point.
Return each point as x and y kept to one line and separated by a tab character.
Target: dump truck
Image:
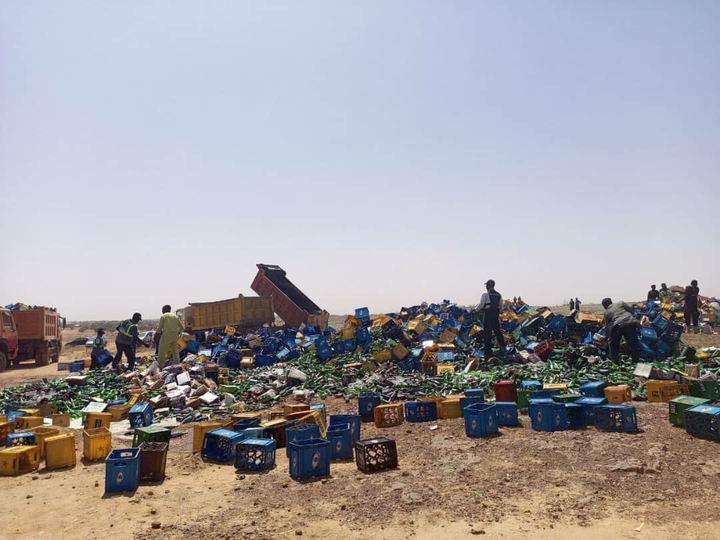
243	312
290	303
30	334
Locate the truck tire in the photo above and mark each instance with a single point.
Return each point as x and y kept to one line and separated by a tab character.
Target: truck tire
42	356
3	361
55	356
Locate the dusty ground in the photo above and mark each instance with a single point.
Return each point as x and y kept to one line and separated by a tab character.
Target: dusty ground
659	483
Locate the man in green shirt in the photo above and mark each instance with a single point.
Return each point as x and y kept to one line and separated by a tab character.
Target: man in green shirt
170	328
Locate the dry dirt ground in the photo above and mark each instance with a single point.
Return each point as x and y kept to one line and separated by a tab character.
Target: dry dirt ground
659	483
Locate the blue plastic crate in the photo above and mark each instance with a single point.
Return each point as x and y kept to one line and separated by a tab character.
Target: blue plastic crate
475	393
589	404
192	346
245	423
255	454
530	385
507	413
319	407
219	444
660	324
350	345
420	411
576	416
481	420
300	432
324	351
122	470
662	349
445	356
615	418
367	401
309	458
548	416
14	415
362	313
703	421
263	360
341	443
20	438
113	402
76	367
557	323
465	402
353	419
362	335
104	358
253	433
140	415
648	333
593	389
544	394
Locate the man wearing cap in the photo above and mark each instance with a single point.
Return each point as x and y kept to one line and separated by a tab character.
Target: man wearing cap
127	341
491	304
653	294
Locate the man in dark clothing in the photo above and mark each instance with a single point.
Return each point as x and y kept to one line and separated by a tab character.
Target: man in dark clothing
99	344
619	323
577	304
653	294
491	304
572	304
127	341
691	304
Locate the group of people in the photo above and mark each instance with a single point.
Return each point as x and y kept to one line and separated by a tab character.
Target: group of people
690	298
128	338
620	321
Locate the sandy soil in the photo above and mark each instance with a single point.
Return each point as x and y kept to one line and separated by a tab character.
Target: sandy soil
659	483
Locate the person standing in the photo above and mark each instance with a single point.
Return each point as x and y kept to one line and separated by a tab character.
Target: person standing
691	305
99	344
572	304
619	323
170	328
491	304
665	293
126	342
577	304
653	294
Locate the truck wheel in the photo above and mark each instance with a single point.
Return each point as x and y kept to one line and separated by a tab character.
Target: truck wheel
55	356
3	361
42	356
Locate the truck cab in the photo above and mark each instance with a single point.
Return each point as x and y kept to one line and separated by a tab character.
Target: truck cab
8	338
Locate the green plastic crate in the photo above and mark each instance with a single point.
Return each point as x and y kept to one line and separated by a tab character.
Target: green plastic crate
678	406
150	434
566	398
705	389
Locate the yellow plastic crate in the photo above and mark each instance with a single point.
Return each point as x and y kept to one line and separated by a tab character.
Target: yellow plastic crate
181	343
23	423
60	451
199	431
19	460
315	417
348	332
5	429
290	408
61	420
118	412
563	387
42	433
653	390
389	415
97	420
97	443
449	408
445	368
617	395
417	326
383	355
31	412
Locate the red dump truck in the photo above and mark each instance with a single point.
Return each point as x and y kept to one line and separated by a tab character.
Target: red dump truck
289	302
30	334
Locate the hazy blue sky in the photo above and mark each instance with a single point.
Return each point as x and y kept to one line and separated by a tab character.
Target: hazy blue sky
384	153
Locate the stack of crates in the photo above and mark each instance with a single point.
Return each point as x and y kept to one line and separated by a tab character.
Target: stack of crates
678	406
703	421
481	420
378	454
300	432
420	411
255	455
122	470
309	458
616	418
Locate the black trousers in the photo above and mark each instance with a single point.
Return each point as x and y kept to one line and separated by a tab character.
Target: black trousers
691	315
93	361
629	332
129	354
491	325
